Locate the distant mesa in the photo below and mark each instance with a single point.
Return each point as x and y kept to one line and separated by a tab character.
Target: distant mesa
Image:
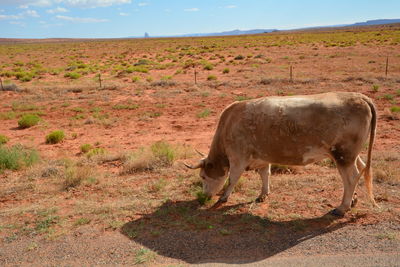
260	31
376	22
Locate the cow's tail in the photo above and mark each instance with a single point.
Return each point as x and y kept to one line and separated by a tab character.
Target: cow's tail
367	170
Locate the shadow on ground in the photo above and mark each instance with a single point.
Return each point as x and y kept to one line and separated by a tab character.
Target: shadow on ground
185	231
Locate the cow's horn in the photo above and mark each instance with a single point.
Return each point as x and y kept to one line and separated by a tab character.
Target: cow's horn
201	154
199	165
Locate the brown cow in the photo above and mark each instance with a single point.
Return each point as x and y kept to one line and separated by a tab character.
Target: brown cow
291	130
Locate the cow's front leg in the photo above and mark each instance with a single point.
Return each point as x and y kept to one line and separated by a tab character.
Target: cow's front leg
234	175
264	174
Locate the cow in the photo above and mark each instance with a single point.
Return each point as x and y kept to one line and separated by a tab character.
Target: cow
291	130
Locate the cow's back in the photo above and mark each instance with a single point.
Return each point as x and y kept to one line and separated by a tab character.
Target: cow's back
285	129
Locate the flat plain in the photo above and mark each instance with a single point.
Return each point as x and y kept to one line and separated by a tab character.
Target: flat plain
109	186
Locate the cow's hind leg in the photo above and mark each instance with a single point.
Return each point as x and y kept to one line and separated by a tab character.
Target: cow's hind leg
264	174
360	167
350	177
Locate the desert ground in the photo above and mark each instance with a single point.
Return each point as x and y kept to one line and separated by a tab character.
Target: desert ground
110	188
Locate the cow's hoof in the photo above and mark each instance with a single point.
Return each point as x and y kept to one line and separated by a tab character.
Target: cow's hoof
218	204
336	212
354	200
261	199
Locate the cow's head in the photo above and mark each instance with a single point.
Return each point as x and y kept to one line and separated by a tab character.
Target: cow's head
213	175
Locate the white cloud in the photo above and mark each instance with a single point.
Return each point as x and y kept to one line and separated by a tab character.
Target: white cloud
143	4
28	13
57	10
19	23
123	14
81	20
31	13
10	17
194	9
75	3
93	3
231	6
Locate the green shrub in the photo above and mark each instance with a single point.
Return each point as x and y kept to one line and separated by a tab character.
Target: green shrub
388	97
76	175
96	152
140	69
211	78
17	157
164	152
72	75
204	113
395	109
3	139
86	148
28	120
225	71
242	98
375	88
125	106
202	198
166	78
55	137
77	109
135	79
239	57
208	66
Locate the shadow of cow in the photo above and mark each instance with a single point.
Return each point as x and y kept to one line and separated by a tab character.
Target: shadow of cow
185	231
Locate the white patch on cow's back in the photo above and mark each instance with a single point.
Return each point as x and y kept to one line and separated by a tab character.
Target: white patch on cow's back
314	154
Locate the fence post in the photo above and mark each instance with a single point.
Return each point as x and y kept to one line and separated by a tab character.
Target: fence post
387	65
1	83
291	73
100	79
195	75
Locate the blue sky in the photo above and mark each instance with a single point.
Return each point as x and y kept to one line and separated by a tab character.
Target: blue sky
122	18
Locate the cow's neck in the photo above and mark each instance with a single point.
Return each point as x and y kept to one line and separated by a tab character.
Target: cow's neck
217	153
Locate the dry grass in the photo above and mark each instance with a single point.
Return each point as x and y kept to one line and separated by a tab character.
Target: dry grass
386	168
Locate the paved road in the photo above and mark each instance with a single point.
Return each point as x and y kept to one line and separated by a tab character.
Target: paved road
364	260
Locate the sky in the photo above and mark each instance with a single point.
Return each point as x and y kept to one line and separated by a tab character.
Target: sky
125	18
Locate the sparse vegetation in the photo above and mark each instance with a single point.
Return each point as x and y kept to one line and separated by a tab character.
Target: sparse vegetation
86	148
3	139
135	79
97	151
239	57
28	120
211	78
125	106
144	255
75	175
160	154
203	114
395	109
202	198
17	157
55	137
72	75
242	98
375	87
109	175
